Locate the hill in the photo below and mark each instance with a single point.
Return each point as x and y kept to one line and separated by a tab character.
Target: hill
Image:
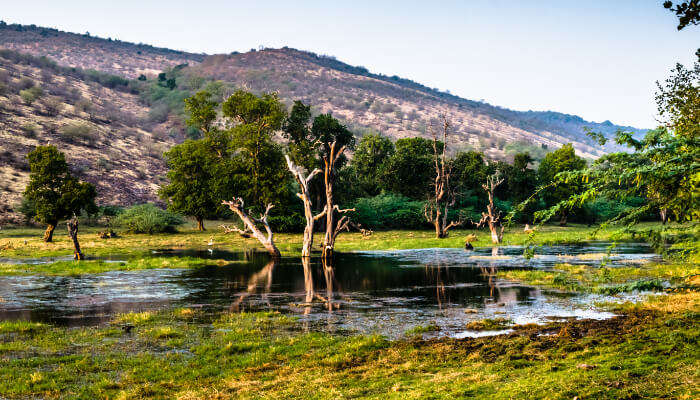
87	52
95	119
115	127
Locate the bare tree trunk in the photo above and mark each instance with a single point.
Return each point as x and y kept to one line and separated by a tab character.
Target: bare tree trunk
333	228
436	209
72	225
305	197
48	233
663	212
492	217
200	224
251	228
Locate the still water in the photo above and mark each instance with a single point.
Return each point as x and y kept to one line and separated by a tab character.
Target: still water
386	292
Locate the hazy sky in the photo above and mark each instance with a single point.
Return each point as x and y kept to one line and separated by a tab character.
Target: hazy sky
598	58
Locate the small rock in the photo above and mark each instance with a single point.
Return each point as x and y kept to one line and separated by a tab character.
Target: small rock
471	310
586	366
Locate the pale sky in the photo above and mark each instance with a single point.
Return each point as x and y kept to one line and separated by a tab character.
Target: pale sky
598	59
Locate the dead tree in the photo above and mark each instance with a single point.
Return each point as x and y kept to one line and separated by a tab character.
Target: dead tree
436	209
251	225
72	225
305	197
492	217
333	227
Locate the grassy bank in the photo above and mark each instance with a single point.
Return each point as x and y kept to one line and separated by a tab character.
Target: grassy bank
650	352
134	249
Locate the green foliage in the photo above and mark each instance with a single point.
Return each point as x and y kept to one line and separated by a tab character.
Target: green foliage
30	95
262	167
410	170
201	110
389	211
558	162
53	191
370	159
664	167
147	218
197	180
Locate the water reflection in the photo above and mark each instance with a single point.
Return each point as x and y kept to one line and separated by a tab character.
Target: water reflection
385	292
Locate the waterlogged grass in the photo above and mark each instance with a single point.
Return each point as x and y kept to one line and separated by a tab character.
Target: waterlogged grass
27	242
489	324
650	352
98	266
584	278
135	249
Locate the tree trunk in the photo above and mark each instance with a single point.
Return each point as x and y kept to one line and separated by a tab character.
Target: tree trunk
305	197
48	233
333	227
200	224
664	215
492	217
72	225
564	215
267	241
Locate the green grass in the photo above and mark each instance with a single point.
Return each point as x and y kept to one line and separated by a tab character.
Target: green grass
135	249
652	352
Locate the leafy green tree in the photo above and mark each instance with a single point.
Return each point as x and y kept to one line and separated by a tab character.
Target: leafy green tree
664	167
201	110
195	177
410	171
263	170
688	12
561	160
370	157
297	129
53	191
469	171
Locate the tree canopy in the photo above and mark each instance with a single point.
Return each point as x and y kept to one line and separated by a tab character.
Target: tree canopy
53	191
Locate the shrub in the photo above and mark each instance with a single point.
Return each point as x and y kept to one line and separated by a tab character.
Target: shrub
29	130
77	133
30	95
387	211
147	218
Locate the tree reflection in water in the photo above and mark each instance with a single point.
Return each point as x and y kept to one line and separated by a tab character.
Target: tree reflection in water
262	278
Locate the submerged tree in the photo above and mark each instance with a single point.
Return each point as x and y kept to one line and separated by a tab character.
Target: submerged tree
72	225
436	209
492	216
333	226
305	196
54	193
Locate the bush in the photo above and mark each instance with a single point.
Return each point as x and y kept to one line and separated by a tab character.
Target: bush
147	218
30	95
389	211
77	133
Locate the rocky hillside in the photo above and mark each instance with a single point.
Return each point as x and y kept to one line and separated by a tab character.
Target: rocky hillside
94	119
397	107
84	51
87	95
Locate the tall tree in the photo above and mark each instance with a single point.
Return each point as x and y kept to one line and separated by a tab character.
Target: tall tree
561	160
196	178
437	207
664	166
370	158
254	120
410	170
54	193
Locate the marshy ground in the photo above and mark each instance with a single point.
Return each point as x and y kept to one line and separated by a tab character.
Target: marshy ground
649	349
